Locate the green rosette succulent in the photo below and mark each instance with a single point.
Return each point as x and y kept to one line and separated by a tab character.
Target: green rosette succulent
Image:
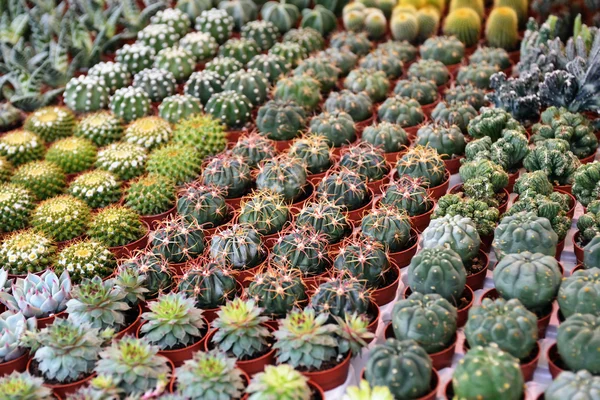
569	385
85	259
578	294
532	278
438	270
61	218
264	33
401	365
16	204
26	251
430	69
237	246
231	107
458	233
116	226
320	69
422	163
281	120
217	23
504	322
150	195
554	157
402	111
466	94
23	386
303	249
72	154
203	84
420	89
389	226
459	114
374	83
125	160
492	122
204	132
364	259
284	176
51	123
477	75
448	140
283	15
265	211
42	178
358	105
407	195
251	83
293	53
390	137
115	75
97	188
255	149
302	89
200	44
273	66
130	103
277	290
279	382
499	375
136	57
179	162
576	342
176	108
524	232
102	128
228	172
86	93
158	36
447	49
157	82
20	147
429	320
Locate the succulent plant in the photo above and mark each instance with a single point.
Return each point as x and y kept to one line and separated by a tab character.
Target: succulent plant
16	204
231	107
303	249
179	107
341	297
570	384
148	132
51	123
420	89
158	82
407	195
210	375
135	364
209	283
404	26
155	270
281	120
320	19
158	36
10	117
401	365
135	57
279	382
86	94
204	205
116	226
366	160
344	60
326	218
264	33
237	246
458	233
42	178
553	207
307	38
14	326
23	386
447	49
96	188
131	281
174	18
177	239
591	253
430	320
72	154
554	157
115	75
102	128
382	61
486	170
499	375
491	55
150	195
265	211
524	232
314	151
61	218
242	49
519	96
388	226
459	114
422	163
578	293
585	183
430	69
205	133
251	83
438	270
508	151
85	259
302	89
281	14
277	290
401	110
358	105
465	24
501	28
484	216
293	53
532	278
179	162
321	70
229	173
476	5
6	169
374	83
200	44
575	343
337	127
284	176
130	103
588	224
466	94
203	84
20	147
273	66
476	74
345	188
217	23
364	259
65	351
254	149
446	139
365	392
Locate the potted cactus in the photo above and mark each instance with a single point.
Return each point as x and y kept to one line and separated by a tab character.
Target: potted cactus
407	195
357	104
581	283
570	384
337	126
281	121
554	157
254	148
389	137
240	331
97	188
178	241
348	190
13	356
204	205
423	90
24	386
266	211
153	197
26	251
465	94
119	228
448	140
456	232
326	218
369	162
314	151
432	70
509	237
456	113
231	174
85	259
17	204
574	345
175	325
486	181
425	164
447	49
585	183
158	277
286	177
402	111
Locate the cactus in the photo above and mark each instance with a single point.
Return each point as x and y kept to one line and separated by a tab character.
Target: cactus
136	57
365	392
281	382
366	160
501	28
85	259
422	90
465	24
585	183
242	11
10	117
124	160
365	260
200	44
492	122
466	94
358	105
148	132
508	241
532	278
150	195
344	60
476	74
6	169
102	128
223	66
491	55
277	290
158	83
476	5
314	151
254	149
389	137
430	69
72	154
400	110
61	218
337	127
265	211
429	320
179	107
447	49
208	283
325	218
456	232
385	62
232	108
459	114
354	19
320	69
229	173
158	36
320	19
282	14
177	240
374	83
590	254
575	343
293	53
16	204
404	26
407	195
402	366
428	19
281	120
238	246
507	323
345	188
303	249
508	151
155	270
402	50
241	49
51	123
202	85
307	38
357	43
86	94
588	224
173	17
116	226
217	23
178	162
521	8
273	66
554	157
202	205
264	33
283	176
569	385
422	163
26	251
42	178
553	207
483	215
519	96
482	169
252	83
341	297
97	188
114	75
578	293
130	103
302	89
447	140
499	375
135	364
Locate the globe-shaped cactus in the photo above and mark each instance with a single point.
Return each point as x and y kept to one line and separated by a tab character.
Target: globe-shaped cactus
238	246
102	128
125	160
130	103
203	84
307	38
86	94
476	74
345	188
284	176
200	44
314	151
408	195
388	226
203	204
466	94
229	173
320	69
340	297
217	23
459	233
293	53
400	110
51	123
385	62
459	114
283	15
42	178
421	89
302	89
223	66
366	160
448	140
264	33
447	49
265	211
344	60
430	69
179	107
492	122
72	154
280	120
338	127
231	107
16	203
422	163
569	385
374	83
115	75
576	342
524	232
387	136
252	83
255	149
277	291
61	218
19	147
241	49
97	188
358	105
158	83
136	57
358	43
326	218
272	65
364	259
579	293
438	270
158	36
26	251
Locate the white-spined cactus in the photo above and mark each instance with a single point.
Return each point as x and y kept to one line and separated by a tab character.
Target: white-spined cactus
38	296
12	327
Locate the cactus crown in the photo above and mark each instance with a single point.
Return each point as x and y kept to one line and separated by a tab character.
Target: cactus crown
366	160
345	188
61	218
301	248
177	239
26	251
85	259
265	210
364	259
326	218
314	151
283	175
97	188
150	195
238	246
341	296
155	270
116	226
203	204
211	284
423	163
254	148
389	226
17	204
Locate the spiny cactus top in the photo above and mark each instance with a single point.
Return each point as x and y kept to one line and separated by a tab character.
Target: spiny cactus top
265	210
272	65
136	57
308	38
209	283
217	23
203	84
344	60
314	151
115	75
264	33
97	188
467	94
26	251
366	260
388	226
345	188
148	132
282	382
16	204
102	128
177	60
303	249
447	49
483	215
400	110
173	17
423	163
179	107
62	217
20	147
358	105
158	83
459	233
116	226
578	293
284	176
86	93
158	36
303	89
524	232
320	69
283	15
341	296
201	44
51	123
42	178
438	270
130	103
151	195
238	246
358	43
586	187
228	172
430	69
459	114
385	62
177	239
155	269
251	83
85	259
492	122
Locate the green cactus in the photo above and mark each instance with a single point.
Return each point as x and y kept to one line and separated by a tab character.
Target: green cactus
178	162
507	323
491	55
465	24
217	23
115	75
158	83
6	169
200	44
273	66
477	5
466	94
448	140
238	246
61	218
358	105
407	194
85	259
476	74
16	204
429	320
521	7
177	239
576	344
130	103
422	163
252	83
42	178
447	49
51	123
102	128
429	22
365	392
430	69
487	170
591	253
231	107
254	149
283	176
501	29
483	215
459	114
341	297
508	151
229	173
176	108
320	69
456	232
578	293
585	182
240	49
135	57
97	188
532	184
223	66
492	122
401	365
320	19
242	12
389	137
125	160
364	259
553	207
307	38
302	89
293	53
326	218
422	90
357	43
265	211
499	375
203	84
282	14
314	151
193	9
148	132
344	60
116	226
26	251
404	27
382	61
402	111
174	18
264	33
338	127
388	226
203	205
554	157
524	232
158	36
72	154
281	120
278	290
374	83
366	160
345	188
10	117
210	284
150	195
569	385
155	270
86	93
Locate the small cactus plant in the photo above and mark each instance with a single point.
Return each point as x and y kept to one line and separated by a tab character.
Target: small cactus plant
345	188
277	290
158	36
283	176
241	49
116	226
374	83
293	53
338	127
314	151
217	23
179	162
264	210
459	114
422	163
174	18
102	128
61	218
574	342
51	123
177	240
42	178
283	15
158	83
130	103
97	188
302	249
476	74
72	154
407	195
383	61
388	226
16	204
430	69
501	29
364	259
148	132
20	147
136	57
200	44
340	297
179	107
388	136
358	105
366	160
446	139
458	232
237	246
264	33
438	270
150	195
466	94
302	89
85	259
447	49
251	83
326	218
86	93
115	75
232	108
515	234
582	284
569	385
273	66
204	205
465	24
203	84
281	120
401	110
228	172
209	283
281	382
324	72
420	89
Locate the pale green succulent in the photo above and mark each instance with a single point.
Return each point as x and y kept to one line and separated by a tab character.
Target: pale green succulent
280	382
23	386
365	392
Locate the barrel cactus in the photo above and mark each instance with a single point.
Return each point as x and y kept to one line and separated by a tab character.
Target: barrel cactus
228	172
314	151
466	94
179	162
284	176
320	19
344	60
404	26
423	163
26	251
345	188
302	89
492	122
211	284
158	36
374	83
102	128
151	195
148	132
459	233
476	74
42	178
115	75
125	160
358	43
421	89
72	154
533	278
20	147
273	66
130	103
281	120
61	218
85	259
553	207
238	246
358	105
325	218
438	270
200	44
176	108
569	385
231	107
447	49
217	23
554	157
390	137
97	188
524	232
277	291
465	24
265	211
364	259
223	66
202	204
116	226
303	249
16	203
158	83
252	83
136	57
430	69
366	160
459	114
293	53
320	69
448	140
283	15
401	110
407	195
382	61
177	239
86	94
338	127
241	49
51	123
576	342
242	12
255	149
340	297
264	33
388	226
501	29
578	294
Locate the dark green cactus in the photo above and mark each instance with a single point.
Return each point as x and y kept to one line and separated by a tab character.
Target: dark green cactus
364	259
430	69
308	38
344	60
326	218
429	320
272	65
492	122
400	110
358	105
155	269
203	84
320	19
476	74
278	290
448	140
458	114
466	94
591	253
238	246
228	172
485	169
554	157
345	188
255	149
388	226
102	128
374	83
241	49
408	195
223	66
217	23
534	183
458	233
159	83
179	107
42	178
338	127
177	239
281	120
265	211
366	160
116	226
491	55
232	108
576	341
320	69
524	232
507	323
209	283
292	53
340	297
423	163
402	50
383	61
282	14
586	183
283	176
553	207
251	83
264	33
303	249
202	204
438	270
508	151
302	89
201	44
390	137
314	151
578	294
358	43
177	161
421	89
447	49
483	215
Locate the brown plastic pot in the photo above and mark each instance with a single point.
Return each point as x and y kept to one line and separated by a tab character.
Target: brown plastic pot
282	145
577	249
178	356
361	125
564	188
453	164
376	186
402	258
387	294
438	191
463	313
486	243
477	280
411	131
253	366
421	222
356	216
233	135
330	378
44	322
154	220
131	329
554	361
124	251
19	364
178	268
63	390
512	178
244	276
560	246
588	159
542	322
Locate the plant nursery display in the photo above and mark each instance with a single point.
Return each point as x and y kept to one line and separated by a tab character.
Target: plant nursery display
299	200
